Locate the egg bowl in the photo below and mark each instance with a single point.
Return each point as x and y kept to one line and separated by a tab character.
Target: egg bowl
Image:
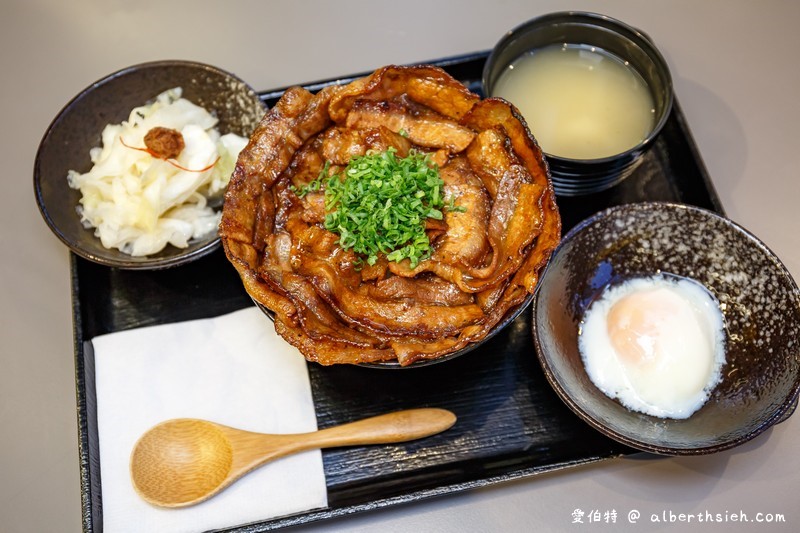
78	127
759	301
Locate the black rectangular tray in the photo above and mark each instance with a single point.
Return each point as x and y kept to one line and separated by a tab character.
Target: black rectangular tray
510	422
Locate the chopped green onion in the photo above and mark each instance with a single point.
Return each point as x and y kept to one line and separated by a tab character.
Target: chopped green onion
379	203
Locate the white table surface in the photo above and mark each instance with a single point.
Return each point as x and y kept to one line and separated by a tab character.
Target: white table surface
736	75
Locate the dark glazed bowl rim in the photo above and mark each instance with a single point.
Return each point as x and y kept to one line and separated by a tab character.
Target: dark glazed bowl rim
783	410
196	249
621	28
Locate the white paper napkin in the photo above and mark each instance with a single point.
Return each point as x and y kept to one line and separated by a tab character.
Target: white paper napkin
233	370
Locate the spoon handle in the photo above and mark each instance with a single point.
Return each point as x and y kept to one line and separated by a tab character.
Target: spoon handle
399	426
255	449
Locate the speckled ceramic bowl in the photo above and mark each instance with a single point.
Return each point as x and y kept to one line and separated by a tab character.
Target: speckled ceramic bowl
77	128
759	300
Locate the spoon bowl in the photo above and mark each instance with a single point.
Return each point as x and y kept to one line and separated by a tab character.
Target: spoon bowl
184	461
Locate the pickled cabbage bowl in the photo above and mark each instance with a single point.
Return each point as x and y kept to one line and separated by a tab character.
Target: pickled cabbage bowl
161	207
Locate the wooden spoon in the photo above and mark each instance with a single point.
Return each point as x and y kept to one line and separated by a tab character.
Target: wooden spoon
184	461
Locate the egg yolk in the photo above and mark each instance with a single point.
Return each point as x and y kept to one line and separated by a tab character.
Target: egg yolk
637	322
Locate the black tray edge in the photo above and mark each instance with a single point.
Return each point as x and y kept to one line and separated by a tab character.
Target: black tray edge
313	86
691	144
86	469
91	501
444	490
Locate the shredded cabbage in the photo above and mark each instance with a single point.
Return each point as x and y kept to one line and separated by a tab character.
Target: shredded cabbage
138	203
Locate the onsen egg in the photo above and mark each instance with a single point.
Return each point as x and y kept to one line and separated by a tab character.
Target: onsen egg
656	344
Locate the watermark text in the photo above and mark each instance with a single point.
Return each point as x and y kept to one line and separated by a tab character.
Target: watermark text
667	516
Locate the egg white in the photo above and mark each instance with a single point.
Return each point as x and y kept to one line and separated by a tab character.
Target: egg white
666	369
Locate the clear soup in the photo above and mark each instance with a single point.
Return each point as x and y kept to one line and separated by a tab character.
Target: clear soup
580	102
